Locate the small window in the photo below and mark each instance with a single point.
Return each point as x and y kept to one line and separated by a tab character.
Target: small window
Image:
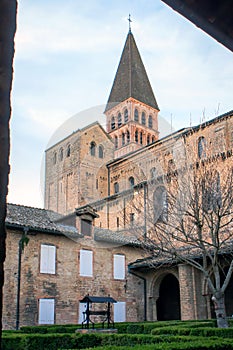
141	138
128	136
150	122
153	139
101	152
46	311
86	227
113	125
92	148
148	139
201	147
116	142
131	218
61	154
118	222
131	181
136	136
153	173
143	118
55	158
123	138
86	263
136	115
97	184
119	119
116	187
47	259
126	116
120	311
119	267
68	151
160	205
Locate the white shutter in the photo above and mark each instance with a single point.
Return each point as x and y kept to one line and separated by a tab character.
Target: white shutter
48	259
86	263
82	308
119	267
119	311
46	311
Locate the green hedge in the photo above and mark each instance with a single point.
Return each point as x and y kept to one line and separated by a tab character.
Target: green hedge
198	331
82	341
195	345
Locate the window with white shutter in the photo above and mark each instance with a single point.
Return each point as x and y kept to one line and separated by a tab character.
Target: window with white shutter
82	308
119	267
48	259
46	311
120	311
86	263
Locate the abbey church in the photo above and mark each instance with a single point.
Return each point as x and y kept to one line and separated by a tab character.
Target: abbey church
90	237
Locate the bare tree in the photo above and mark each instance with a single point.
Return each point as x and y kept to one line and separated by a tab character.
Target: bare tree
8	10
188	216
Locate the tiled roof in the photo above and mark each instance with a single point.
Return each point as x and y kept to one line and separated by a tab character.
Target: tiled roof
131	79
116	237
19	216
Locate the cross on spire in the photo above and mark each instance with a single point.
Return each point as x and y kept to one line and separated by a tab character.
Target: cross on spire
130	20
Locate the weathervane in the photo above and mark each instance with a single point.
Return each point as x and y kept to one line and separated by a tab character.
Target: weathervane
130	20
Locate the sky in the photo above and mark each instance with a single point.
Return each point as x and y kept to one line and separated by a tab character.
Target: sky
66	57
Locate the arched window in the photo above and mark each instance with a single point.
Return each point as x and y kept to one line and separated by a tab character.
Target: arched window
153	173
150	122
153	139
101	151
116	187
61	154
160	204
92	148
128	136
113	125
68	151
136	115
143	118
136	136
55	158
123	138
131	181
211	192
148	139
141	138
119	120
116	142
201	147
126	116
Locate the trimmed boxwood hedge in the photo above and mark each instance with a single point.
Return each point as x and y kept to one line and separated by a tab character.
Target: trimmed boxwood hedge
90	340
200	331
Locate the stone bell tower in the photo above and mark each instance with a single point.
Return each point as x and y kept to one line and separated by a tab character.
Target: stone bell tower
131	110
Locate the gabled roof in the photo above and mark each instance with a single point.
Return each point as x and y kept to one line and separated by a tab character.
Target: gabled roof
39	220
131	79
116	237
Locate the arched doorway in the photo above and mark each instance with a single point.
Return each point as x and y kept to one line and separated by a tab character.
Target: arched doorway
168	303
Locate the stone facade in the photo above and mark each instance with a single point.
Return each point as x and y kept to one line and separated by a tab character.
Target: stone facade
66	286
99	186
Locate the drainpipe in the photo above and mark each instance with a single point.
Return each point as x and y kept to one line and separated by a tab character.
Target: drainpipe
145	290
20	250
145	210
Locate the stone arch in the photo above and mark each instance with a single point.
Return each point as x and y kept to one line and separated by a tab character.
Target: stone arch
165	296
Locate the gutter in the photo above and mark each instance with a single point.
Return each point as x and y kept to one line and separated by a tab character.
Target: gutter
20	250
145	290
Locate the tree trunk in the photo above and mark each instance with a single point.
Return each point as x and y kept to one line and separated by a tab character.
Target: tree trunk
7	32
220	310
